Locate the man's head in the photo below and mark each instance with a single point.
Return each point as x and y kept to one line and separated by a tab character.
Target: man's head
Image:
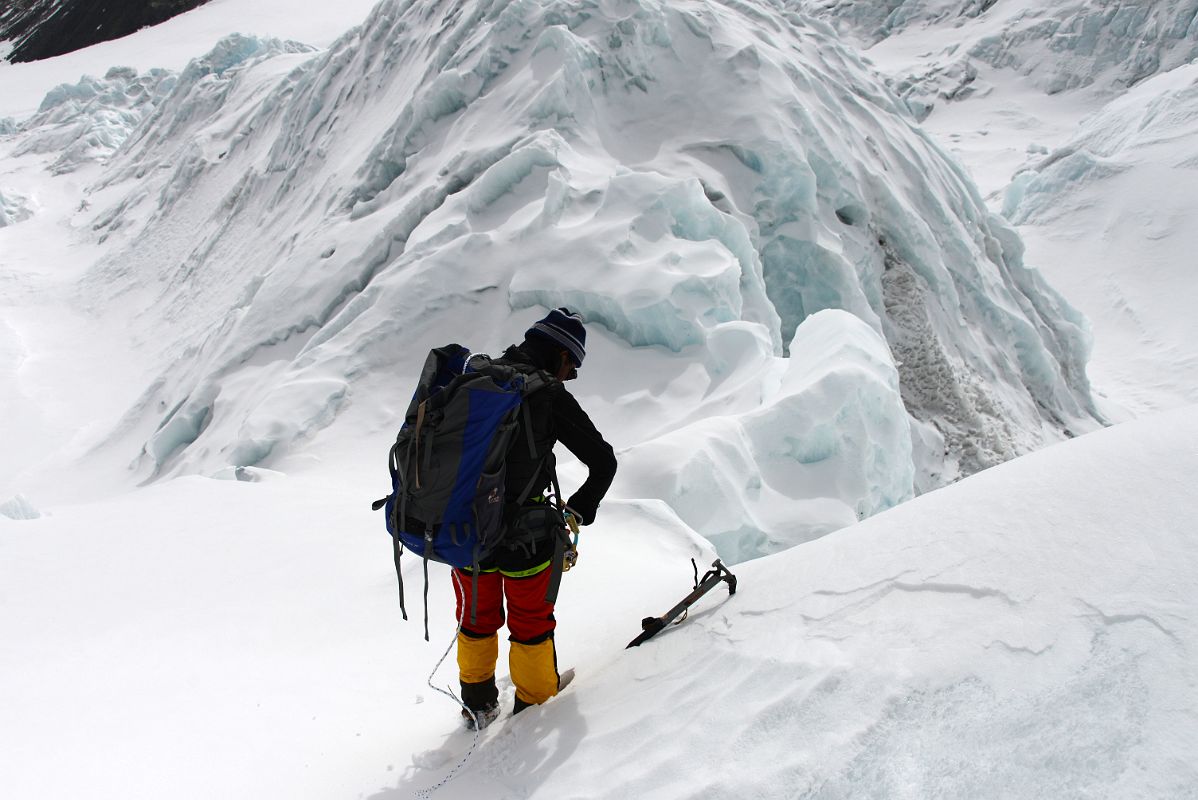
563	329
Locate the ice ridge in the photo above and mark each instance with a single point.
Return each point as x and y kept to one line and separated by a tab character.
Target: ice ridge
307	224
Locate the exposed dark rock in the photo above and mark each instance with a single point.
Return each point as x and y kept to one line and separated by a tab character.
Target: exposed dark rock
44	28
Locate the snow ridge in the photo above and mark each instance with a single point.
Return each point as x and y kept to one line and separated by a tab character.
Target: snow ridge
307	222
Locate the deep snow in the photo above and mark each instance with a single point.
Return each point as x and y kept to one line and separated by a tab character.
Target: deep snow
1028	632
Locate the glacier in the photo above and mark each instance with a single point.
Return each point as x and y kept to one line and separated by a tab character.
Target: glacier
1075	120
1143	126
304	226
1102	48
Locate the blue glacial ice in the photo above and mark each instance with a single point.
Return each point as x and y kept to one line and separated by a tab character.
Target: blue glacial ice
830	444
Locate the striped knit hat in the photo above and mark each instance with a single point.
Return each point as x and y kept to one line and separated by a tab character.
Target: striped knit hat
564	328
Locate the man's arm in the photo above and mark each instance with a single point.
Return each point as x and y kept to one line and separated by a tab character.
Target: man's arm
575	430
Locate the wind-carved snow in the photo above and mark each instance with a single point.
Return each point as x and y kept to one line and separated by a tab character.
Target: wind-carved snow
308	226
858	692
829	445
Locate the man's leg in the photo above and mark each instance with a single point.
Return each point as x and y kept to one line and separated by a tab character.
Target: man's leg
478	644
532	658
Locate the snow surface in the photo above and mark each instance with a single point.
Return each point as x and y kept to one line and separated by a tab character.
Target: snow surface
1132	166
217	248
1027	632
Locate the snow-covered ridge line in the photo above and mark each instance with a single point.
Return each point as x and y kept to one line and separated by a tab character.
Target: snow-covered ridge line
1104	47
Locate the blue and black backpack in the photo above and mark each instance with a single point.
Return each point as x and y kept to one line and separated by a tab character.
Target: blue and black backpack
448	463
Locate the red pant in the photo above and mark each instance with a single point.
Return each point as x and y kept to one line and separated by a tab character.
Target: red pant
529	617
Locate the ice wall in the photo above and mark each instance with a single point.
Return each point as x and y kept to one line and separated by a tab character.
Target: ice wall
293	231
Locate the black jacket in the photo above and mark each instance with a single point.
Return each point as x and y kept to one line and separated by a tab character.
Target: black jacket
556	417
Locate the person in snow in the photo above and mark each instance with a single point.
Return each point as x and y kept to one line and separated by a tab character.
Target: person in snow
524	574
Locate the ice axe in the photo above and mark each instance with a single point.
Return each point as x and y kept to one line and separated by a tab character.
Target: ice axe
718	573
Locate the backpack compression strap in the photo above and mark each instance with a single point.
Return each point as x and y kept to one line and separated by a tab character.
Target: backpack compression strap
396	516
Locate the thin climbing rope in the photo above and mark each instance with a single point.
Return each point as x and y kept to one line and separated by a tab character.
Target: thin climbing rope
424	794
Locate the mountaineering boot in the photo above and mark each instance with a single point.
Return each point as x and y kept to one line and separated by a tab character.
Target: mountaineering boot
482	698
481	718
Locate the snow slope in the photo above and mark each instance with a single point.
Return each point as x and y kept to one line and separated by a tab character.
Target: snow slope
37	29
1027	632
1130	168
